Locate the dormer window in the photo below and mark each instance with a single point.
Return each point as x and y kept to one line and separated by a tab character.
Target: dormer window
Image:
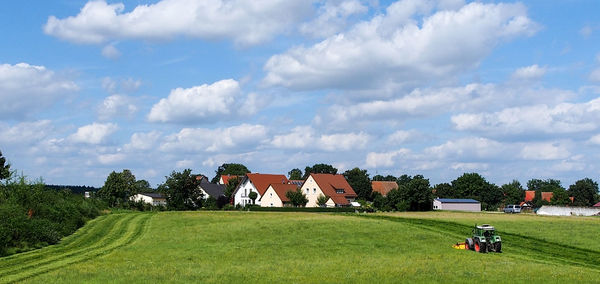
339	190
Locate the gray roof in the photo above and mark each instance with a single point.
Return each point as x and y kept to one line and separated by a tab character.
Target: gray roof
213	189
453	200
153	194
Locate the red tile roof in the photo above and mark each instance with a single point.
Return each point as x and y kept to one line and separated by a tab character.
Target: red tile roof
529	195
227	178
262	181
383	187
329	183
597	204
282	189
547	196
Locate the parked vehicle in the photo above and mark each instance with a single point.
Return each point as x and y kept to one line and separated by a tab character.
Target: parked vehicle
512	209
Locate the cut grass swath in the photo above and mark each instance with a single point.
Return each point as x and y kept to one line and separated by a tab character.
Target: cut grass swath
528	247
98	238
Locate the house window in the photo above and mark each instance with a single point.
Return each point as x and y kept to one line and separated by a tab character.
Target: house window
271	194
271	204
307	191
339	190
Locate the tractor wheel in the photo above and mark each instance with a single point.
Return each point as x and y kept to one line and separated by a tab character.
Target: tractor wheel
477	246
469	244
498	247
484	247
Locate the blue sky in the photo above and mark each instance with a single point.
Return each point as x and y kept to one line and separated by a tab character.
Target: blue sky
442	87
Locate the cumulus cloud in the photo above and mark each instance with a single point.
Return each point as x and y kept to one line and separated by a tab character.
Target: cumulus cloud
468	147
544	151
204	103
26	88
396	47
305	137
143	140
562	118
528	73
116	106
29	132
213	140
111	52
384	159
94	133
245	22
402	136
332	18
110	159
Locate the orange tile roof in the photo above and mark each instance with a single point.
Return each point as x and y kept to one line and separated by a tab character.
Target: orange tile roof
529	195
547	196
262	181
227	178
282	189
329	183
383	187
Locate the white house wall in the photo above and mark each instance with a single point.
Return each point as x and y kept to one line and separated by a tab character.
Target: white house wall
241	196
473	207
271	199
312	191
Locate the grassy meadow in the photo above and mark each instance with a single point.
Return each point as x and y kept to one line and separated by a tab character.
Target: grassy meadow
238	247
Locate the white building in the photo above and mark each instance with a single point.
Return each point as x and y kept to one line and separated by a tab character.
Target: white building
155	199
255	183
456	204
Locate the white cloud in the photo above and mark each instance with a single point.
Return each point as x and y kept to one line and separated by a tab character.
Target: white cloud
28	88
94	133
469	166
544	151
332	18
305	137
532	72
111	159
25	132
468	147
198	104
595	75
402	136
143	141
586	31
562	118
184	164
213	140
384	159
111	52
394	48
116	106
245	22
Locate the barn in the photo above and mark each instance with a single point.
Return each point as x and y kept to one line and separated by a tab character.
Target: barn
456	204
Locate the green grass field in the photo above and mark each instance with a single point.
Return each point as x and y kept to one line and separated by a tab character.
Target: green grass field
238	247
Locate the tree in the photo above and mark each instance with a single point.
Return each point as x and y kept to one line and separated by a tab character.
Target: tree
360	182
539	186
513	192
297	198
560	197
253	195
4	168
416	194
444	190
584	192
295	174
229	169
142	186
322	200
384	178
319	169
118	187
181	191
231	186
403	180
473	185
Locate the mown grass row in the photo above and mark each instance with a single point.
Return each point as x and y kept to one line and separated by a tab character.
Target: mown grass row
525	246
100	237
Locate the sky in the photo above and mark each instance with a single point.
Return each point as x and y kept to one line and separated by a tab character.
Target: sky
506	89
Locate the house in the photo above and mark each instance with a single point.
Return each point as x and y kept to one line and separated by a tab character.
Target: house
596	205
225	179
529	195
383	187
208	189
456	204
255	183
156	199
335	187
275	195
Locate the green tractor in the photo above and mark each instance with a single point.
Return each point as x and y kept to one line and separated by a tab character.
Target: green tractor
484	240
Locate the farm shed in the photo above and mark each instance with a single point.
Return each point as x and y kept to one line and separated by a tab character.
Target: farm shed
456	204
150	198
